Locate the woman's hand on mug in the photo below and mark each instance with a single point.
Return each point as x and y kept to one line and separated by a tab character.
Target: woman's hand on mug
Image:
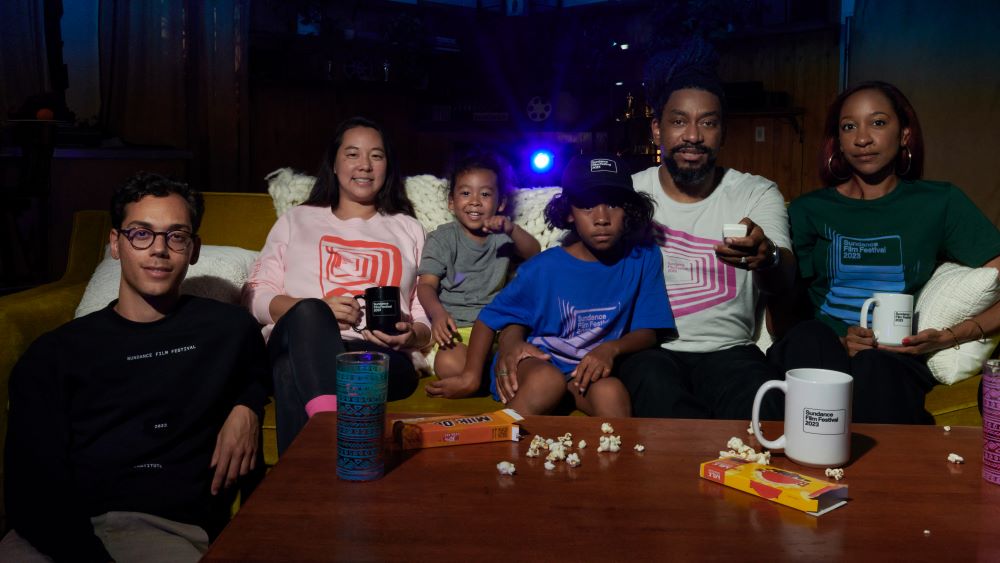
924	342
411	336
346	310
859	339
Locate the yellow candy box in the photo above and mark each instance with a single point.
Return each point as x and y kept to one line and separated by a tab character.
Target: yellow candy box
810	495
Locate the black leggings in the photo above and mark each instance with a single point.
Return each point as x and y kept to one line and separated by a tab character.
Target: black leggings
303	348
889	388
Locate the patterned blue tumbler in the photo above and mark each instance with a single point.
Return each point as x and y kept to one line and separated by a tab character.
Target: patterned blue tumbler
362	379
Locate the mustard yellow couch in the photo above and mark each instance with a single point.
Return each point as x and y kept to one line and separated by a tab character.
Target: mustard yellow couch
244	220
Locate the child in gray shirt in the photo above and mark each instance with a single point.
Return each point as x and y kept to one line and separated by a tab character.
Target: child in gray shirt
465	263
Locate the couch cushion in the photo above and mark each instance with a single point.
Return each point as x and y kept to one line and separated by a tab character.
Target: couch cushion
953	294
219	274
429	195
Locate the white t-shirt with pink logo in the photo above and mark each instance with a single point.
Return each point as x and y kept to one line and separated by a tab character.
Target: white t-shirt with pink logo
715	305
310	252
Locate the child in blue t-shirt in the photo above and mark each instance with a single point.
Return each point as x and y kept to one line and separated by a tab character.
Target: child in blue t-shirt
597	297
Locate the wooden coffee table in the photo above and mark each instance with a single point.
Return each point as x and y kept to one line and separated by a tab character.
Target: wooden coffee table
907	502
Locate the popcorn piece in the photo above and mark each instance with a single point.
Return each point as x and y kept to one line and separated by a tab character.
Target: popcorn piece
615	443
506	468
539	442
927	532
581	444
604	445
532	452
740	450
573	460
750	430
639	448
549	442
955	458
556	452
607	428
549	465
947	428
836	473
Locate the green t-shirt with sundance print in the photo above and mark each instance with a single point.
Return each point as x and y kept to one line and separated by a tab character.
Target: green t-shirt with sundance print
848	249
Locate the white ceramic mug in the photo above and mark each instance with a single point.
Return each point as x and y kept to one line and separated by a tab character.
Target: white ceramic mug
817	416
892	320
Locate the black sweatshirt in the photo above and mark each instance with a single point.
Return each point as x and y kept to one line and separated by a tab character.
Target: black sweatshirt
108	414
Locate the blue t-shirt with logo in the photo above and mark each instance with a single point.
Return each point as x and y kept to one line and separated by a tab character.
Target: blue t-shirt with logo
570	306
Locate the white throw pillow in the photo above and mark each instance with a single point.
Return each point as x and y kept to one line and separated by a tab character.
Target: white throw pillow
219	274
953	294
429	196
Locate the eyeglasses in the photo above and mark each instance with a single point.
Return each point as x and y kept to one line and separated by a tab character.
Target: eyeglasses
142	238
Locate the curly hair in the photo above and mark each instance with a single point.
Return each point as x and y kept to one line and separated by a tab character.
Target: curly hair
691	65
833	171
481	159
389	200
156	185
638	228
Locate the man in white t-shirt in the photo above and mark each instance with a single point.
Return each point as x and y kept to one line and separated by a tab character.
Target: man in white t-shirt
712	369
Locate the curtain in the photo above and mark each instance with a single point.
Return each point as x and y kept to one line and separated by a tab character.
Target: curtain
173	74
23	61
945	57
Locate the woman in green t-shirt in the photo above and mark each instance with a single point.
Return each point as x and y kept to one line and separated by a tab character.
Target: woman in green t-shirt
877	227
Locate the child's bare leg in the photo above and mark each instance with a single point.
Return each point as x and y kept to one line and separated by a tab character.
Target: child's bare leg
449	362
605	397
540	386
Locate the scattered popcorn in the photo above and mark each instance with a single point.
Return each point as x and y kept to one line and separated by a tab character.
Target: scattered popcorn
549	465
607	428
610	443
573	460
556	452
947	428
506	468
639	448
836	473
582	444
549	442
538	443
743	451
955	458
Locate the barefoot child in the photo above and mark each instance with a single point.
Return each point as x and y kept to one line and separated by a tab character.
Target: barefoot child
587	303
465	263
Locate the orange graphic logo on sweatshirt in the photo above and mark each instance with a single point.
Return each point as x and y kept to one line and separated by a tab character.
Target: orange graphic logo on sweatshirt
347	267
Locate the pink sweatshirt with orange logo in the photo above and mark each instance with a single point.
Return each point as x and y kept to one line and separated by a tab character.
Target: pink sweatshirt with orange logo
310	252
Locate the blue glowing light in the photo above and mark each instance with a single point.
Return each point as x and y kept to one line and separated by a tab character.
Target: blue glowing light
541	161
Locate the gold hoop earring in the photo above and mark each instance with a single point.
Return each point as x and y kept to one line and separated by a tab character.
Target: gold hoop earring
829	168
909	161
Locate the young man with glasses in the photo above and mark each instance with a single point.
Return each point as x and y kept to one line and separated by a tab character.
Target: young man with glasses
129	426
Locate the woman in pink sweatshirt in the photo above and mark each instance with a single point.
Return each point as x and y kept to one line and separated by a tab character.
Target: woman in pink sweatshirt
355	231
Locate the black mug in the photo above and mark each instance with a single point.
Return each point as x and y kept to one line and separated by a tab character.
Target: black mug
381	309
